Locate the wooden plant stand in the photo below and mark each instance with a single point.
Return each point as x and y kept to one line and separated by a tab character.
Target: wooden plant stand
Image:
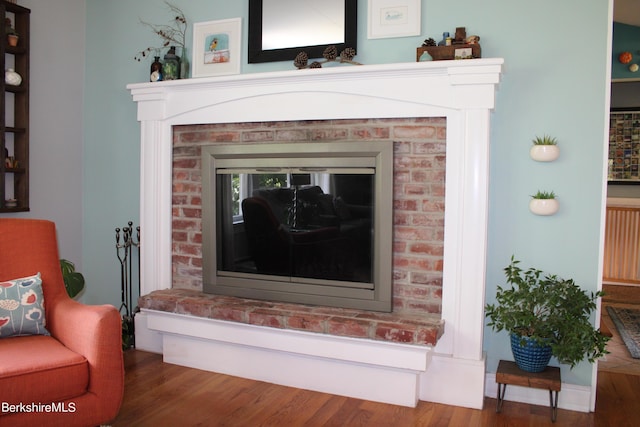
549	379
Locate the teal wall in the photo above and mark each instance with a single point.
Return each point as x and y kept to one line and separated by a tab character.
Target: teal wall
551	84
626	38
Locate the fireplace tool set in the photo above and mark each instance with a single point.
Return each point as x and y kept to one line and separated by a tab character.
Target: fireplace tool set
124	251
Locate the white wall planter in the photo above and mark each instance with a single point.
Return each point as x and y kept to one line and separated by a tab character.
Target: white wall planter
544	206
544	153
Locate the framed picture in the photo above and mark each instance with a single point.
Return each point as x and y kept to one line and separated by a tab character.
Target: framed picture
394	18
216	48
624	146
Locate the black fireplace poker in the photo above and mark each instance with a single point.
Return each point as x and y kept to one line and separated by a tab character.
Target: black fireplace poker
125	255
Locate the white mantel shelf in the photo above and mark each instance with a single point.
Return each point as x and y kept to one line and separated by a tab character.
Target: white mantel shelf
442	75
461	91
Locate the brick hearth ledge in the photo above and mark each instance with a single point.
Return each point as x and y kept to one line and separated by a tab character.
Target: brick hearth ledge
394	327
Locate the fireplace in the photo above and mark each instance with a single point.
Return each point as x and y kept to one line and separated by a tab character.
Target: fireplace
462	92
299	222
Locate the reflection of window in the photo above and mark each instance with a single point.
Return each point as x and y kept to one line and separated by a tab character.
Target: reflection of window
242	186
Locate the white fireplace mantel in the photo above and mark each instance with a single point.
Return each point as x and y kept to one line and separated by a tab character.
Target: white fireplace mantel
462	91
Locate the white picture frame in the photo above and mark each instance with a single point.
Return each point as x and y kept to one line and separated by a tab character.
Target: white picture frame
394	18
216	48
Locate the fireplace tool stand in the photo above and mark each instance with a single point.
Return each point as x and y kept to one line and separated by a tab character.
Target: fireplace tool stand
124	252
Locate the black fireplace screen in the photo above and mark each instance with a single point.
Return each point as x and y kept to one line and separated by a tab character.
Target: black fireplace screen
313	225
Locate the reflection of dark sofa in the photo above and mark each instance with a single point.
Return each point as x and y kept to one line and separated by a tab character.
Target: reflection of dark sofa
317	209
327	243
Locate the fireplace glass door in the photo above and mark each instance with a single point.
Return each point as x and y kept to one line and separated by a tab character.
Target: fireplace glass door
307	223
299	222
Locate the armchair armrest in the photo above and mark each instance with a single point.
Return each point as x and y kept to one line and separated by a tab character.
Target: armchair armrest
94	331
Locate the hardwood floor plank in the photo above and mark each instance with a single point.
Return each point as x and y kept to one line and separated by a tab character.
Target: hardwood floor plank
158	394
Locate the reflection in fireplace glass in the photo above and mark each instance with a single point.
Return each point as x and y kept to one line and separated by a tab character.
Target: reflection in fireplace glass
308	225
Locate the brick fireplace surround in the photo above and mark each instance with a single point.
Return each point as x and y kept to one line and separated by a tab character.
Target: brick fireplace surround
438	268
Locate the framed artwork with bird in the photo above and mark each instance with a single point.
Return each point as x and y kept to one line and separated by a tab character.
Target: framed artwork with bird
216	48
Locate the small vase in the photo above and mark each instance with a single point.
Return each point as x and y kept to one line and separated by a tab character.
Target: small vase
530	356
12	40
544	207
12	78
155	73
171	67
184	64
544	153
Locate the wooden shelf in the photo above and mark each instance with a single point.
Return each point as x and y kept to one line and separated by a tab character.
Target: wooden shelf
549	379
14	141
440	53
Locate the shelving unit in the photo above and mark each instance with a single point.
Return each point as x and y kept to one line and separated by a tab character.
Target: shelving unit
14	120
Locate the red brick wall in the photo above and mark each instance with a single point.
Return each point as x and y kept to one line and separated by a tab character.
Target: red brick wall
419	175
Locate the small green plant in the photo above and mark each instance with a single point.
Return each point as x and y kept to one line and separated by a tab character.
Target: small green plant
551	311
73	280
8	27
544	195
545	140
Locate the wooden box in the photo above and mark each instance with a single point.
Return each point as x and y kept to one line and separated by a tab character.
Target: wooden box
439	53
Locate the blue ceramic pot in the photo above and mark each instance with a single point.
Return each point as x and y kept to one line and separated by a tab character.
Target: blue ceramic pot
529	357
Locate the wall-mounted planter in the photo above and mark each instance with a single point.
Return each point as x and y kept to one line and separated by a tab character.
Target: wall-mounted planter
544	153
544	206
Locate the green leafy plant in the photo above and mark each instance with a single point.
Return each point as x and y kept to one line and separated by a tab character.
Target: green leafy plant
545	140
73	280
544	195
551	311
128	339
8	27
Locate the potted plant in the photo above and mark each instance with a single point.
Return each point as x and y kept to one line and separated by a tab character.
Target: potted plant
12	35
546	314
73	280
544	149
544	203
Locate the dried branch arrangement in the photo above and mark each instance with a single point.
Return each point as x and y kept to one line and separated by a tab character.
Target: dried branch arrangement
173	34
330	54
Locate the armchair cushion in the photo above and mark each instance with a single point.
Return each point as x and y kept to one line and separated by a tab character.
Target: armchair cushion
22	307
40	369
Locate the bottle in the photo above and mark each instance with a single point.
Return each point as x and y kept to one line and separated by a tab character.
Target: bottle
156	70
171	67
443	42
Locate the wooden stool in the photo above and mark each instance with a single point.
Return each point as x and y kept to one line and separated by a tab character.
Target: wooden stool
549	379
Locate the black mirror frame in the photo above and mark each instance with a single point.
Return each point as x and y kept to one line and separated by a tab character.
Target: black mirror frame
257	55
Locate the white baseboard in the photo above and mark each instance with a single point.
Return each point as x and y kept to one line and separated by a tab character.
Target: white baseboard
572	397
364	369
146	339
452	381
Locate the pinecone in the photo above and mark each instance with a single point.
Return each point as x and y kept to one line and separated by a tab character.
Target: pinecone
301	60
330	53
348	54
315	64
429	42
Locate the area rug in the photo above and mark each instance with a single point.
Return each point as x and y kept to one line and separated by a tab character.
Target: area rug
627	321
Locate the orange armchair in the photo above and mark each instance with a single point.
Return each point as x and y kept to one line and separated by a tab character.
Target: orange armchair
75	376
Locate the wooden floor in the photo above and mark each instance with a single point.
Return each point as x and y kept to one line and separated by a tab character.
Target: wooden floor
159	394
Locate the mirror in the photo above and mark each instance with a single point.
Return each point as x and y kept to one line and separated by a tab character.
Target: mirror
280	29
